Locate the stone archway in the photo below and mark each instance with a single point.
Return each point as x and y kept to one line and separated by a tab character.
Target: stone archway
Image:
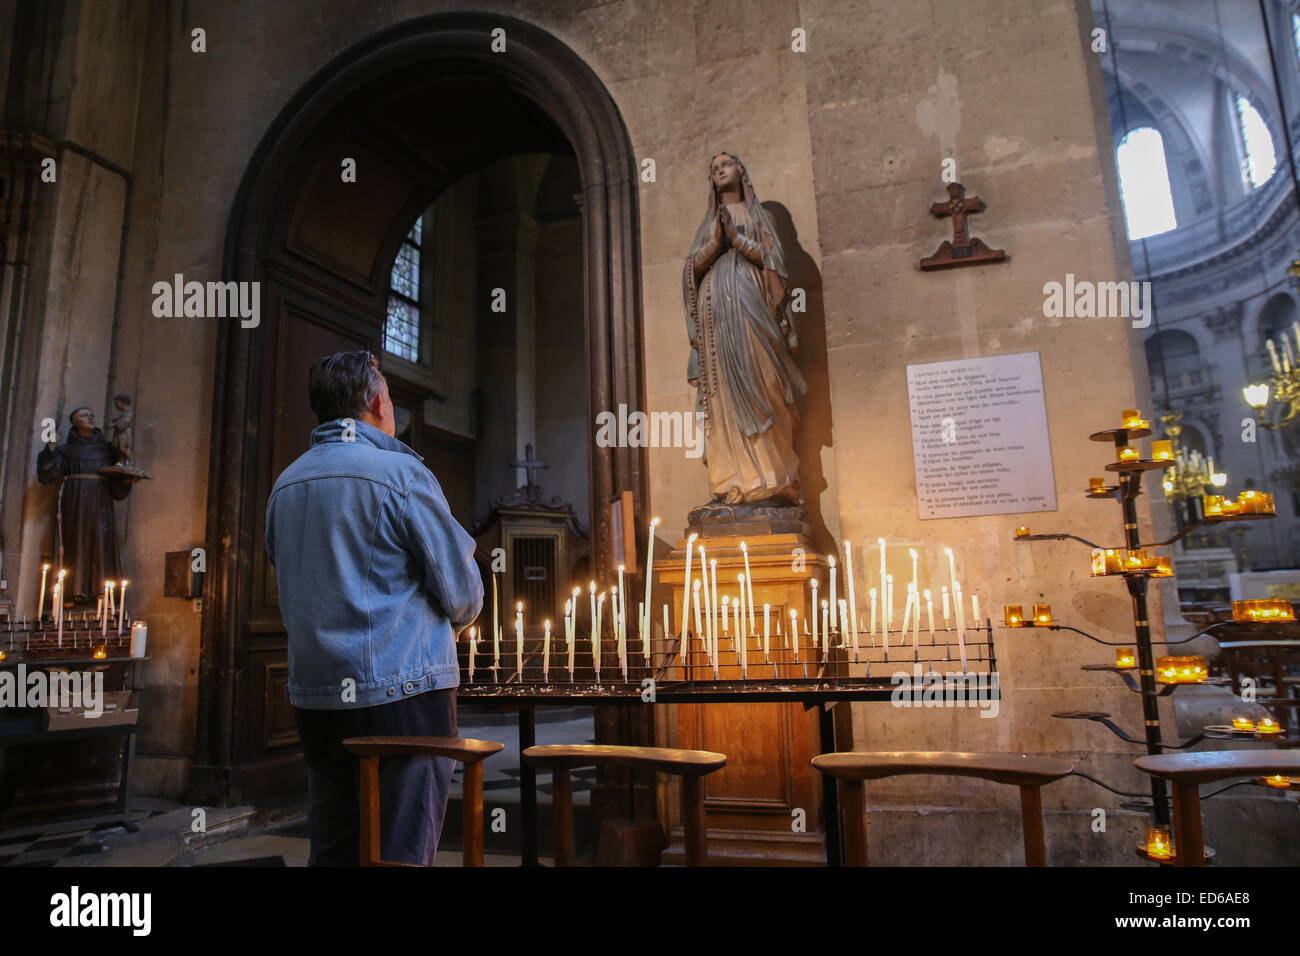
323	282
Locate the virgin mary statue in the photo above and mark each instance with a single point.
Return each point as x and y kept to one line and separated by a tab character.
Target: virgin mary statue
735	288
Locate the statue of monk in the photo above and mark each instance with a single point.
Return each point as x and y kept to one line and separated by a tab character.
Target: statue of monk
84	524
743	345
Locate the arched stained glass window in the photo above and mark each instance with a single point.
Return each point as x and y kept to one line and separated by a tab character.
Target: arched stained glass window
1144	183
402	330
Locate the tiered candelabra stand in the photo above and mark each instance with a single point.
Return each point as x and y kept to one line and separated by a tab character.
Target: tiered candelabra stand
1132	563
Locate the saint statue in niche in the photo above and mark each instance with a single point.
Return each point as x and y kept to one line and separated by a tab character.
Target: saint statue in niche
86	467
743	345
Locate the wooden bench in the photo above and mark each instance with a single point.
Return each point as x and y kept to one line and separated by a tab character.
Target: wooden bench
1186	772
690	765
467	751
1027	773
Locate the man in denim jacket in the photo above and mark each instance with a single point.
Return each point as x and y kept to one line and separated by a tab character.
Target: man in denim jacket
376	580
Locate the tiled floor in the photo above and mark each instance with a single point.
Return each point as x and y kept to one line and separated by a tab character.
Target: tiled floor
49	849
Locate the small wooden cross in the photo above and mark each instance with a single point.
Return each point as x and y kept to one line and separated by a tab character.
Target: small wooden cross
964	249
529	465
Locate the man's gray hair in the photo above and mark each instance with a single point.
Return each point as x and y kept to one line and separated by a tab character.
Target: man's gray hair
343	385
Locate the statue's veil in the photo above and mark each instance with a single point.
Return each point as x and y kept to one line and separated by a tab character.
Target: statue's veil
773	258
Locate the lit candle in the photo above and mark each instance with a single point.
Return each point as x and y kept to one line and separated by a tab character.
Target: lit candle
112	602
1242	723
844	616
1278	781
726	604
1022	532
99	609
546	653
853	602
121	607
57	610
595	634
621	619
912	552
929	613
103	631
570	611
1162	450
1158	847
1129	453
961	623
1013	615
916	615
945	605
743	625
815	605
767	629
519	640
54	595
881	542
830	558
666	629
975	609
644	620
1042	615
794	632
40	608
747	591
649	571
872	592
686	597
1272	354
1267	725
1124	657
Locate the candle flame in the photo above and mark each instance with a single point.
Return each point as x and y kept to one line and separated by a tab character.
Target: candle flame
831	559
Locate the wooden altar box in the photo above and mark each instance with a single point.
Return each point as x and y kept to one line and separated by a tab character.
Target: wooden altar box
750	804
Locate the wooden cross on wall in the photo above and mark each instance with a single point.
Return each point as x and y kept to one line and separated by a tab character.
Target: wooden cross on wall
530	465
963	249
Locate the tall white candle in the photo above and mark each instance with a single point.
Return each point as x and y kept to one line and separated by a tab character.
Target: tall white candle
667	629
961	622
929	608
519	642
826	644
686	598
713	606
844	617
883	578
704	601
915	585
1272	354
472	647
58	603
112	602
726	607
815	605
571	637
496	625
945	606
907	613
794	632
121	608
643	617
889	602
830	558
743	624
952	570
747	592
595	630
699	625
975	609
767	629
916	617
649	577
546	653
595	635
873	615
853	602
40	608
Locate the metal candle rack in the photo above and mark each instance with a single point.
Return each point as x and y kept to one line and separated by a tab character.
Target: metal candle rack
1130	473
820	673
35	639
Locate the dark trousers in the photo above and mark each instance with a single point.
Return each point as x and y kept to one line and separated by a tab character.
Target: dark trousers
412	790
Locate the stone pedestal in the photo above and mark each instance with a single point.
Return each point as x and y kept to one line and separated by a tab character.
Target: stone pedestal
750	806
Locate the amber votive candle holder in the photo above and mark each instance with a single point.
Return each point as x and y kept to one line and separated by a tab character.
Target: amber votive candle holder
1013	615
1267	725
1242	723
1132	418
1096	484
1190	669
1129	453
1278	781
1158	845
100	653
1124	657
1162	450
1022	532
1042	615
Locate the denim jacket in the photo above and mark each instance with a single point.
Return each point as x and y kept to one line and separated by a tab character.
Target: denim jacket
376	578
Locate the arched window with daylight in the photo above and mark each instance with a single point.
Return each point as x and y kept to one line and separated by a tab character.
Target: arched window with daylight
1144	183
402	330
1257	143
1174	361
